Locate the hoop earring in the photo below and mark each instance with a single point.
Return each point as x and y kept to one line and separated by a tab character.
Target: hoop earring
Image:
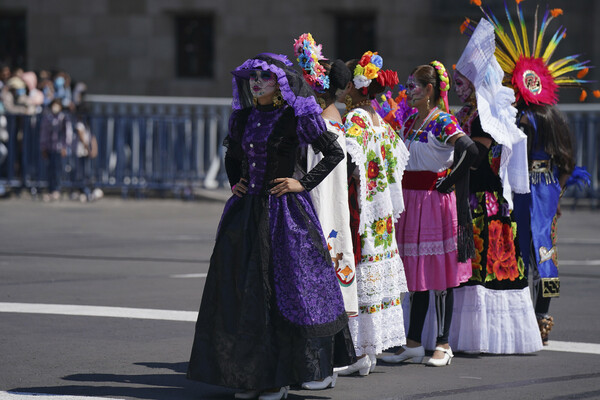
278	99
348	102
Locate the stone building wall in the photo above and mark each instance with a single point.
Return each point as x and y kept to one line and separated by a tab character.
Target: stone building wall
128	46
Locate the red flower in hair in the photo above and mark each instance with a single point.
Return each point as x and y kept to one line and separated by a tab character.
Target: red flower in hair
388	78
365	59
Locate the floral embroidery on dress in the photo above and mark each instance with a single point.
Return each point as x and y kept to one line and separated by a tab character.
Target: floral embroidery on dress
495	155
374	308
501	260
442	127
495	237
379	257
383	232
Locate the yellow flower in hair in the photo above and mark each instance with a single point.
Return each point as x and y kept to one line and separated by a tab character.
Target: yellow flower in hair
359	70
371	71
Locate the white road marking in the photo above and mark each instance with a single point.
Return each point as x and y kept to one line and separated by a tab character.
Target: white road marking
98	311
573	347
201	275
578	262
38	396
192	316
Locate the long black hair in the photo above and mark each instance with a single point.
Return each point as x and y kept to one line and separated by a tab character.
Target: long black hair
547	129
339	76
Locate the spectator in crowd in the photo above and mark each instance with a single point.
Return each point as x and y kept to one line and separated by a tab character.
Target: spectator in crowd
14	97
53	143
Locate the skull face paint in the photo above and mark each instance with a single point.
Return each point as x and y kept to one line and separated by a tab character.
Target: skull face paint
414	91
262	83
463	87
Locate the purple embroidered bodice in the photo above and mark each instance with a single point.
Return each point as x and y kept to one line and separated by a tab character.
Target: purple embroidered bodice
254	143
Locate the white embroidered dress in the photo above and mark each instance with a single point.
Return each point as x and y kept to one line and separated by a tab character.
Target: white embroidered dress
330	199
381	158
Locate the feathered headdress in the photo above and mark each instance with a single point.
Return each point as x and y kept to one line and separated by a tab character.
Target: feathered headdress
529	70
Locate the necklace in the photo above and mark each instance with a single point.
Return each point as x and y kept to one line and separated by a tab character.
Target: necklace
425	120
412	137
359	104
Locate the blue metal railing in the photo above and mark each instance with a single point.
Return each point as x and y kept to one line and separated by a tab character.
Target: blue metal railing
174	144
143	143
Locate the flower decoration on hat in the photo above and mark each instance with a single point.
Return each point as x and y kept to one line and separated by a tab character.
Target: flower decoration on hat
529	70
369	68
309	54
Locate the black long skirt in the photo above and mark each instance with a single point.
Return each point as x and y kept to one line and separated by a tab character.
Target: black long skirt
241	340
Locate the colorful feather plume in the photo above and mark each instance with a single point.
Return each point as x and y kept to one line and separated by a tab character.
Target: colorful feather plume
529	70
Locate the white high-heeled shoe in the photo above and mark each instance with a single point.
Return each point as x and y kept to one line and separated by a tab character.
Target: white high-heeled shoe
440	362
373	359
416	353
328	382
281	394
247	394
363	366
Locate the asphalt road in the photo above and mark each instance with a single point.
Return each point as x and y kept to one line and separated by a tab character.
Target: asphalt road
130	258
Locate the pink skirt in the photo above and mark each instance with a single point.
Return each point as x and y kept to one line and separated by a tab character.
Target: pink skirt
426	236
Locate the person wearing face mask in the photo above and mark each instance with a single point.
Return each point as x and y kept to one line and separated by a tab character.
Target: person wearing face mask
493	312
434	234
272	313
53	143
377	158
330	197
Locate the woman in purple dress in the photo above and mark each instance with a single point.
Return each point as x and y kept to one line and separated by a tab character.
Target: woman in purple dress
272	312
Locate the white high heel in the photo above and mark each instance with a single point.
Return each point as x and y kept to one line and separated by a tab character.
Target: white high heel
363	366
247	394
416	353
281	394
328	382
373	359
440	362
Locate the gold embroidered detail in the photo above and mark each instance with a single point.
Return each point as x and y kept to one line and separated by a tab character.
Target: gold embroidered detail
546	254
550	287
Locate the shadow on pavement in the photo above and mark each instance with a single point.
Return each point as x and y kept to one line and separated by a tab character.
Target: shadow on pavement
166	386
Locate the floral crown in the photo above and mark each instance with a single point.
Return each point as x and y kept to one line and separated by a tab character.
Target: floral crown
309	54
369	68
444	83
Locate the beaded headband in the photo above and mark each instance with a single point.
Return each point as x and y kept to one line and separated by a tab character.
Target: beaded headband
309	54
444	83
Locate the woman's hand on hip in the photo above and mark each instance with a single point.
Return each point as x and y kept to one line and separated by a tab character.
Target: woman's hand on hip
240	188
285	185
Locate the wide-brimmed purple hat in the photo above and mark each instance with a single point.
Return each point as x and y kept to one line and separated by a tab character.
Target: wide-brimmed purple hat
294	90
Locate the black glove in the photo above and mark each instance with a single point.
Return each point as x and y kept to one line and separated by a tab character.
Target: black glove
465	154
332	155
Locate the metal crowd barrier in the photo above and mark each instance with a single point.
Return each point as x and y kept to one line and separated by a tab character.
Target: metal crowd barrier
144	143
174	144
